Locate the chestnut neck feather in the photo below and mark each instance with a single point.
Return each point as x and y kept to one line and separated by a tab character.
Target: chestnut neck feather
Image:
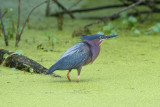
95	47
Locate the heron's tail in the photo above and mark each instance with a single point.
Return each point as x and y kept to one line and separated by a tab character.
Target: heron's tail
51	69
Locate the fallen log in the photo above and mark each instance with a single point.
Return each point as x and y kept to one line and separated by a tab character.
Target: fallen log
21	62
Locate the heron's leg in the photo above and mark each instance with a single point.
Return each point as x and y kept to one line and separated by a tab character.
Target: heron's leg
79	71
68	75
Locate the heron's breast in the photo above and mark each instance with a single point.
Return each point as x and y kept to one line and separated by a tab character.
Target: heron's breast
89	60
88	54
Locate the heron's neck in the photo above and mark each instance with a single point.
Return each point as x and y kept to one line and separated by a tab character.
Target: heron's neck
95	47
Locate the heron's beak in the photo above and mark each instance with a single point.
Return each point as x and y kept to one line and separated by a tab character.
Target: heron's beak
108	36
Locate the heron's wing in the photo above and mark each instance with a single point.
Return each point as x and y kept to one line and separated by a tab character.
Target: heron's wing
74	57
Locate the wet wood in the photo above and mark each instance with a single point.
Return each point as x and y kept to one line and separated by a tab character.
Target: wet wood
21	62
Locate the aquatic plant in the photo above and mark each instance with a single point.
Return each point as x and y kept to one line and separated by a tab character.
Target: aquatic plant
51	39
110	29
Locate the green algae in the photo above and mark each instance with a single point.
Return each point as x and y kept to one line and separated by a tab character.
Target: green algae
126	73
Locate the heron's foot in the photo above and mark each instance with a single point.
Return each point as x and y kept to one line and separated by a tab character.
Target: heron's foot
68	76
78	80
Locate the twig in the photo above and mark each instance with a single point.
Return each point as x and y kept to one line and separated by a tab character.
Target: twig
48	8
4	13
62	7
27	19
18	22
115	14
4	31
77	2
143	12
25	22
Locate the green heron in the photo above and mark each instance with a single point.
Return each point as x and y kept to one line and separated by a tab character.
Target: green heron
80	54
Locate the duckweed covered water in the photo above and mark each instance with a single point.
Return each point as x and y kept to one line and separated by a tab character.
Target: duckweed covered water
126	73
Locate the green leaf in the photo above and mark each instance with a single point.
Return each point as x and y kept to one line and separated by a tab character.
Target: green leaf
123	15
117	27
8	18
158	25
101	33
47	34
26	65
105	28
13	69
113	32
31	70
108	27
19	52
11	9
20	28
5	55
132	19
137	32
148	33
54	40
75	42
125	21
155	29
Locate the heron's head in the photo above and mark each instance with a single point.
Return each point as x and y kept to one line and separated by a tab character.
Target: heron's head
97	38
